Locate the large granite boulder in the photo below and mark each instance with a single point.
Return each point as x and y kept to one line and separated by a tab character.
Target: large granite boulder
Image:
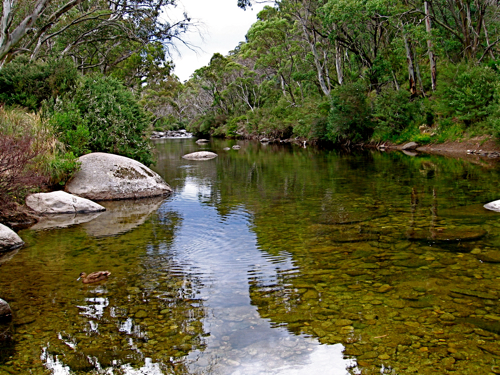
5	311
60	202
111	177
9	240
200	155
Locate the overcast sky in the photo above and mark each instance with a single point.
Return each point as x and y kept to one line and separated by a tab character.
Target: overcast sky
223	26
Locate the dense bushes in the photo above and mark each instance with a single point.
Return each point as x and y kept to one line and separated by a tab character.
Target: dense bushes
350	114
466	93
101	115
28	84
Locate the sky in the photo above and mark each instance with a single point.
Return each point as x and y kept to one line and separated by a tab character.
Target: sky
222	26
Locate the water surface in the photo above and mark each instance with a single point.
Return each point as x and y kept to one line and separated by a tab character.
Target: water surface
268	260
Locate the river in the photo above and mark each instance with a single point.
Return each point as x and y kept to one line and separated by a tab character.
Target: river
270	259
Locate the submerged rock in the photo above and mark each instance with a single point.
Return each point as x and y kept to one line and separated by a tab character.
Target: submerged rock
9	240
60	202
199	141
489	256
110	177
446	235
200	155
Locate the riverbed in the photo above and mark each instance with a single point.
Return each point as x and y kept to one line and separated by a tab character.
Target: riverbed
270	259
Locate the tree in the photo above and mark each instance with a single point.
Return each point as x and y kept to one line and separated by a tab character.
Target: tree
95	33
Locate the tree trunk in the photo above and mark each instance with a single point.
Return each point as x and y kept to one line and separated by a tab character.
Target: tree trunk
317	62
338	64
411	69
432	59
10	39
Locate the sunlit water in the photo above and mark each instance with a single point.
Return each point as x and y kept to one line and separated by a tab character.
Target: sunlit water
268	260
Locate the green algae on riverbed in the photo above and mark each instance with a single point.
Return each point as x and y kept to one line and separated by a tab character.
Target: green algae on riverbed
262	256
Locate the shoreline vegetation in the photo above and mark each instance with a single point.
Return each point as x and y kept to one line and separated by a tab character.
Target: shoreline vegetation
376	73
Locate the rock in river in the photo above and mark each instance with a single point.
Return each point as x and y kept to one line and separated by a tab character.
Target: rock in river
9	240
109	177
493	206
5	311
60	202
200	155
409	146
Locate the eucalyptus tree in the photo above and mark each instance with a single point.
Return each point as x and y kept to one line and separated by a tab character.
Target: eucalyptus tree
96	33
365	29
473	26
315	36
274	44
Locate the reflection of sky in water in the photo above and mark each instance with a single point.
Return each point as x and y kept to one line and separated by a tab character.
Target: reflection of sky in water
56	366
221	252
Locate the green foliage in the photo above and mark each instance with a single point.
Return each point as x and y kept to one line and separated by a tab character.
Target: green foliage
422	138
466	92
493	120
394	111
71	128
449	132
62	167
102	115
350	115
27	84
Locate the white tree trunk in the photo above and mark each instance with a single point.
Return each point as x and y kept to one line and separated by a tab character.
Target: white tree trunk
9	39
432	59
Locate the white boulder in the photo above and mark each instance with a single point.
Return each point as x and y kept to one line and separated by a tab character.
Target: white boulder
109	177
5	310
493	206
200	155
410	146
60	202
9	240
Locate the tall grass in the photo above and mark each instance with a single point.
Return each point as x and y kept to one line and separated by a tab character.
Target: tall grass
31	157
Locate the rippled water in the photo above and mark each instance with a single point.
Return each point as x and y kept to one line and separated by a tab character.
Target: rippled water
268	260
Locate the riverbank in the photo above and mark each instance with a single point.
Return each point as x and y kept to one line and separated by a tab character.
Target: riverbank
477	149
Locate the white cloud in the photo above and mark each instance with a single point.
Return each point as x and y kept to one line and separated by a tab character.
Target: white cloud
223	26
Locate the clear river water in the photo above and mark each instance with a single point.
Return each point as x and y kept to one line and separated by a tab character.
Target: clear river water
270	259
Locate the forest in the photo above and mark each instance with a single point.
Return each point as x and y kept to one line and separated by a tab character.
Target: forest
352	71
79	76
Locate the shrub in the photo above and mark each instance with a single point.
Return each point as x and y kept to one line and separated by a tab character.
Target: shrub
394	111
61	167
466	92
28	84
22	143
350	115
102	115
30	155
72	130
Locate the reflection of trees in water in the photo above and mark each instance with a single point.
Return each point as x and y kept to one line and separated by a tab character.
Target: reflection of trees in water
154	315
146	316
151	316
